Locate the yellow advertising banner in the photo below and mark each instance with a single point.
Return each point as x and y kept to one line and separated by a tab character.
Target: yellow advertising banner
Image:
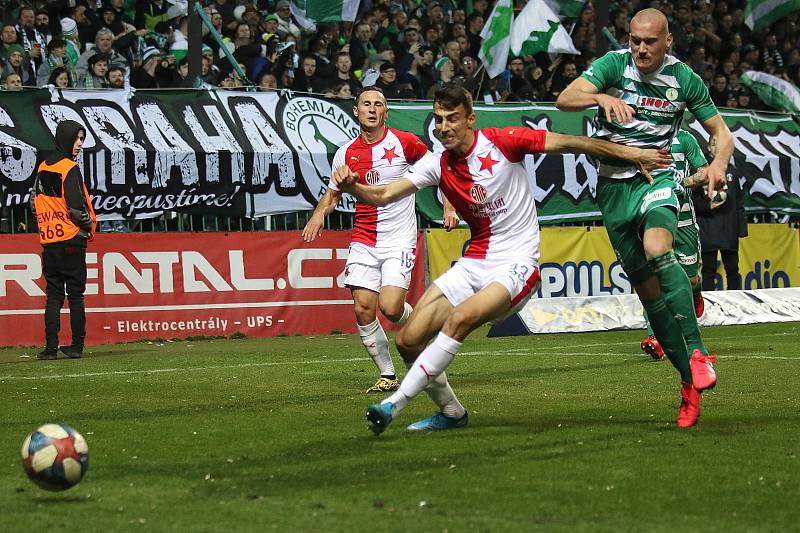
579	261
769	257
444	248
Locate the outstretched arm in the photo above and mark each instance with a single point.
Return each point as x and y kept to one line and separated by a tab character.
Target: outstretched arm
378	195
324	208
645	158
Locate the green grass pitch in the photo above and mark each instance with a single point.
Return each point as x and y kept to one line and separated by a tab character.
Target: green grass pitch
567	433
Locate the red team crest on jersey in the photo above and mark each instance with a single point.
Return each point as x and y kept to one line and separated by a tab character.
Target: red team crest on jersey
478	193
372	177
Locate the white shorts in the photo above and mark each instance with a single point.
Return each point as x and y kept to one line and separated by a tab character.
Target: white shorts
373	268
468	276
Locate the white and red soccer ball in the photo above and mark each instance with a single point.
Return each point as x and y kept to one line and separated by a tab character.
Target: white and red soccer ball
55	457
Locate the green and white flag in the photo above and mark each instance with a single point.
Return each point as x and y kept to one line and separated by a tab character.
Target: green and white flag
308	12
496	36
538	29
773	91
566	9
332	10
761	13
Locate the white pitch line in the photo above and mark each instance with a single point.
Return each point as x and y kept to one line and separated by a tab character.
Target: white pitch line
186	369
327	361
219	367
707	339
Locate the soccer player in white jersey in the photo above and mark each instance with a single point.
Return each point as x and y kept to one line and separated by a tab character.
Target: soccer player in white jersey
641	95
382	249
482	175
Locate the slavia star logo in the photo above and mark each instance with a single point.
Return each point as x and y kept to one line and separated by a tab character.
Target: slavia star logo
388	153
487	162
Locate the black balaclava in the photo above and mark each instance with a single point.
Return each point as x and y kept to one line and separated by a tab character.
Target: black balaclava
66	134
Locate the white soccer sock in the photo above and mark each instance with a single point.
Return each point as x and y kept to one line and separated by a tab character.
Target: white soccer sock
406	313
429	365
377	345
440	392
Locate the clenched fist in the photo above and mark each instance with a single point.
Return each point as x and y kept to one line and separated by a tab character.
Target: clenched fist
343	177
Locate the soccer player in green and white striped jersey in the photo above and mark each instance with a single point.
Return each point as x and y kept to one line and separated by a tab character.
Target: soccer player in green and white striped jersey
688	158
641	94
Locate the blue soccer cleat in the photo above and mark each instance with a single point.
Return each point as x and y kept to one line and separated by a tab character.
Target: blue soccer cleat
440	421
379	416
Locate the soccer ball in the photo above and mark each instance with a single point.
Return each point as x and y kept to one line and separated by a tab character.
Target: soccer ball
55	457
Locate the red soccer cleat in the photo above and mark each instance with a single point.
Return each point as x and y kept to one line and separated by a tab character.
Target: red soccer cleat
699	305
652	347
689	411
703	374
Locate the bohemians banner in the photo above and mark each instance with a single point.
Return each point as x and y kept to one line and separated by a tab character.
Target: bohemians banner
253	154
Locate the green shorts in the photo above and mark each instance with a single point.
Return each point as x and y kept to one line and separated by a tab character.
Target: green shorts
625	204
687	238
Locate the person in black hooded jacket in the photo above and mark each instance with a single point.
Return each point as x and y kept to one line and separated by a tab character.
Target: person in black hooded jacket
722	223
66	223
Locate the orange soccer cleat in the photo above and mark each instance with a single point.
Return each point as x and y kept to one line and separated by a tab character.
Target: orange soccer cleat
652	347
689	411
703	374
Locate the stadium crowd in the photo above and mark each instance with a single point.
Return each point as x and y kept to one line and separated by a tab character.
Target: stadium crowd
407	48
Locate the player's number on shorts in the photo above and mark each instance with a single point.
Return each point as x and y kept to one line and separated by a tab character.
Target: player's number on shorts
407	260
519	271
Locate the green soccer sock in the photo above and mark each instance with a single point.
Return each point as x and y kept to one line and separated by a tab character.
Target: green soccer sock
677	292
647	325
669	334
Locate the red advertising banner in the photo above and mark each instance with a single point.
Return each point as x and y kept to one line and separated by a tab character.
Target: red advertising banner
176	285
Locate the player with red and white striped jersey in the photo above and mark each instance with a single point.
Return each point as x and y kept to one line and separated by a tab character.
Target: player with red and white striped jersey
482	174
380	162
382	248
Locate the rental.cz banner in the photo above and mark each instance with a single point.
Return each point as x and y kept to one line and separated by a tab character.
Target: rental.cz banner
177	285
260	153
581	262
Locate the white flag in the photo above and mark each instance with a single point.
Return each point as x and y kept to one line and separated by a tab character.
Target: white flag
761	13
538	29
773	91
496	37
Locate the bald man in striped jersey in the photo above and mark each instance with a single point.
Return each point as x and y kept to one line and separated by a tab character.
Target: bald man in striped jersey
641	95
